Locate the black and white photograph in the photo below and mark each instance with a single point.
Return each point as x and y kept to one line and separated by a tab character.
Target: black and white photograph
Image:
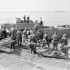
34	34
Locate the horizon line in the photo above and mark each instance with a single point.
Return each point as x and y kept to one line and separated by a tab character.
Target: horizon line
29	11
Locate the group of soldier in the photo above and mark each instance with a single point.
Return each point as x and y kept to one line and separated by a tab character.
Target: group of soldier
34	37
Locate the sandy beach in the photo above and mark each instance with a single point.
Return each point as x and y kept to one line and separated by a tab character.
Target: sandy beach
34	34
22	59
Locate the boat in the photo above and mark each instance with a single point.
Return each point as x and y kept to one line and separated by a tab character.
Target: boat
50	29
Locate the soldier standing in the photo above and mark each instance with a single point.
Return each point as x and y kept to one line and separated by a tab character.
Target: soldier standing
55	40
13	33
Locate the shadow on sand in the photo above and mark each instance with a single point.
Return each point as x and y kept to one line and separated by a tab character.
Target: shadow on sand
17	50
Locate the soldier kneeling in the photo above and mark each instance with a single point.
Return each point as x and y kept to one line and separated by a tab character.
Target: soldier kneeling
33	45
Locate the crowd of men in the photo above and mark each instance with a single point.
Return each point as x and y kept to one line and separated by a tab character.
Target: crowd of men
34	37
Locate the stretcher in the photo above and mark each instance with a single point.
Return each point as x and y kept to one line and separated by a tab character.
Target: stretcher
59	54
52	54
5	44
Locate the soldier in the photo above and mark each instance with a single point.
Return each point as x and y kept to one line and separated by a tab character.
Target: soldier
64	40
45	37
13	33
33	44
24	37
64	44
41	23
4	32
19	37
55	40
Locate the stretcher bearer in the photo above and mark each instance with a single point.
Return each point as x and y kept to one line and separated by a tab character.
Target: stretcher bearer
13	33
55	40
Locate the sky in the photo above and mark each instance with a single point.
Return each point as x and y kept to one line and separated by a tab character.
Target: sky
34	5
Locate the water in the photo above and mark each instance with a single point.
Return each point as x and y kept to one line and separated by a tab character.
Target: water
49	18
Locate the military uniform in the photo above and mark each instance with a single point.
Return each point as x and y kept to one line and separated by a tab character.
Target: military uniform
19	37
45	36
64	48
55	41
13	33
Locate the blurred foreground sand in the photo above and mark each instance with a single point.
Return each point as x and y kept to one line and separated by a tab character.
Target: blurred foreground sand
24	60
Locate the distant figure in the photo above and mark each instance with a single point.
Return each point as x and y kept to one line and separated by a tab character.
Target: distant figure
41	22
24	19
55	41
28	19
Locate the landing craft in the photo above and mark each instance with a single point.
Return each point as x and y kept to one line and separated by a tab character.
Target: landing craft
50	30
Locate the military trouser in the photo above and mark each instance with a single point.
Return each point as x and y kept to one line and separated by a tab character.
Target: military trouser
55	44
